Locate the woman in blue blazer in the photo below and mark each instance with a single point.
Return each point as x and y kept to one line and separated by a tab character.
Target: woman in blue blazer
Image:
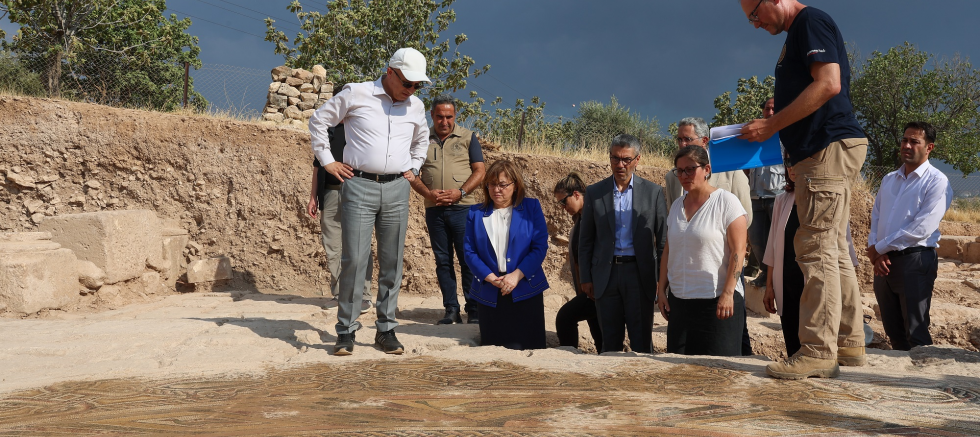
506	242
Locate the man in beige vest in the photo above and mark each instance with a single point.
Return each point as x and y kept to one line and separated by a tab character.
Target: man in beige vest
453	169
694	131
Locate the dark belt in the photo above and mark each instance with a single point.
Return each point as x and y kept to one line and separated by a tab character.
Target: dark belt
382	178
909	250
623	259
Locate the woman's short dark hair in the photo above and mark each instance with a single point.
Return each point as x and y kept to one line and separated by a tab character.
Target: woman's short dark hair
510	170
790	185
570	184
695	153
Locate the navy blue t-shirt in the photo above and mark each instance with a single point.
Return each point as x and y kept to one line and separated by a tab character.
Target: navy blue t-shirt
814	37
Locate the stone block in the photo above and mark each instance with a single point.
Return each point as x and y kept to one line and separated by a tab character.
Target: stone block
293	101
302	74
971	253
21	181
308	113
277	100
307	88
281	72
304	106
327	87
275	117
295	82
293	112
953	247
118	242
318	70
288	90
209	270
308	97
273	87
35	275
152	283
174	241
270	110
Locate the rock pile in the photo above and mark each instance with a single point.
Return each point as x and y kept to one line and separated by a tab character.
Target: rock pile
295	93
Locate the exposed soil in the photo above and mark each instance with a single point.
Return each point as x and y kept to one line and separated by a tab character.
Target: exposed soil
241	189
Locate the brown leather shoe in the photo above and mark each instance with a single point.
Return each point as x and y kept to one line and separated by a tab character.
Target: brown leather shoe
851	356
800	366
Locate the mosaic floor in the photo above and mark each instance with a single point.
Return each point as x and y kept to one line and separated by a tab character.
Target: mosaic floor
424	396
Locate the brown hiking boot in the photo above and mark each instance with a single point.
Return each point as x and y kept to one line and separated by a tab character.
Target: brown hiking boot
800	366
851	356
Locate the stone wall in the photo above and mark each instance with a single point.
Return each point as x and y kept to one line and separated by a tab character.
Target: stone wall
295	93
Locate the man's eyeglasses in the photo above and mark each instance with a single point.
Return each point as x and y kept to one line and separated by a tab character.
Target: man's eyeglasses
407	84
564	200
627	161
500	185
685	140
753	18
686	171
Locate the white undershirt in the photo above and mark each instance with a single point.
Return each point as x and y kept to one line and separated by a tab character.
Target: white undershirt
498	230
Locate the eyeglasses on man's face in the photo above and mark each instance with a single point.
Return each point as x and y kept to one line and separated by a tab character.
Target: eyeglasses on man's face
499	185
686	171
625	161
685	140
407	84
753	18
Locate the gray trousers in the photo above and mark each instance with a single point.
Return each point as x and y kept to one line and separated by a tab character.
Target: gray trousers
330	235
383	208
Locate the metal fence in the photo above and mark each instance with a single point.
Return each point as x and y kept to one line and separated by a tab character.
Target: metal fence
965	188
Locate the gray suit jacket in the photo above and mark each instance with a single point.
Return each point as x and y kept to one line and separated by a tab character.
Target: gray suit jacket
597	239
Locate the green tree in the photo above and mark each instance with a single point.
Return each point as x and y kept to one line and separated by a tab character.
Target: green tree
905	84
114	51
597	124
749	97
354	39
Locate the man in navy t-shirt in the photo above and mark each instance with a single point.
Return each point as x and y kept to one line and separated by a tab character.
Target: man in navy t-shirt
826	147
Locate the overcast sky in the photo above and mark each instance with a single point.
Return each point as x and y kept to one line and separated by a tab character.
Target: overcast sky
664	59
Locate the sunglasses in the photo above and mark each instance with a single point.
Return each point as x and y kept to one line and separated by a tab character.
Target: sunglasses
407	84
564	200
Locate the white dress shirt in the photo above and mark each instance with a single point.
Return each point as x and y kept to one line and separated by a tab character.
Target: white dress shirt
498	232
908	209
383	136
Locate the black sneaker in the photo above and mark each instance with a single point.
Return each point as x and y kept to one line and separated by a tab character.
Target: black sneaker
345	344
452	316
473	317
389	343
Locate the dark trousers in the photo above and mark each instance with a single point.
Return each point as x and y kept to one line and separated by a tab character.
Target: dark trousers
447	229
904	297
694	327
624	304
513	325
576	310
759	231
791	318
746	340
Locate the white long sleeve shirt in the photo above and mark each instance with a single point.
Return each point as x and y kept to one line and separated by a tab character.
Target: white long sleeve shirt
383	136
908	209
498	232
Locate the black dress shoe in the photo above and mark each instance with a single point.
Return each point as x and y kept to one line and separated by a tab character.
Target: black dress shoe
452	316
345	344
388	342
473	318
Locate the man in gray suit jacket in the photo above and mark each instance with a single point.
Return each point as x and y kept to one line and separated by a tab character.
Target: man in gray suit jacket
622	239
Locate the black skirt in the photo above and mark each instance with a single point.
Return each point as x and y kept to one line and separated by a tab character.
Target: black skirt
694	328
513	325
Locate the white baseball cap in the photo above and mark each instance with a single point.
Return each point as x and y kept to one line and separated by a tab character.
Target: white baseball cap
411	63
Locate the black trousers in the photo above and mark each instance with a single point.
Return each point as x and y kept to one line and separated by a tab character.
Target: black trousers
905	296
625	306
694	327
576	310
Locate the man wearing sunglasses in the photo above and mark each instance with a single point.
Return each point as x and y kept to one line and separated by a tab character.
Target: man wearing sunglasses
622	236
826	147
387	138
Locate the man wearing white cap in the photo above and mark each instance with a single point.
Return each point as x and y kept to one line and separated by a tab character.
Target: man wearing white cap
387	139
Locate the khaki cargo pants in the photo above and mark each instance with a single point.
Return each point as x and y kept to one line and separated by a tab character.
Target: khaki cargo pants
831	313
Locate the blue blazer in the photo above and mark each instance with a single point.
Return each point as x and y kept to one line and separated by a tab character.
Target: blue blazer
526	248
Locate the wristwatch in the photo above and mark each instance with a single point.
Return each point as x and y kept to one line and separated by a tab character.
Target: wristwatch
462	193
415	171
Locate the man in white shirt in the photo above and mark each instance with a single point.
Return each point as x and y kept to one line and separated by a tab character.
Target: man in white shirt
387	139
903	239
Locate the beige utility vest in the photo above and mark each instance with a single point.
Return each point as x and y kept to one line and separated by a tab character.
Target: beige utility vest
447	166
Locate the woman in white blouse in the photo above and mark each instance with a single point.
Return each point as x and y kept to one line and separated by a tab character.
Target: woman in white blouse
506	242
706	234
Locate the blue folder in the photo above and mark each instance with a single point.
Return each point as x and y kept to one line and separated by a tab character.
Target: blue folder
731	153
